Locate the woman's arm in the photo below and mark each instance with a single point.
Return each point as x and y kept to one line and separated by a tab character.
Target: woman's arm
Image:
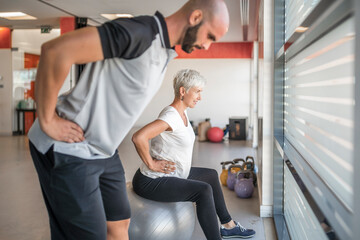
141	141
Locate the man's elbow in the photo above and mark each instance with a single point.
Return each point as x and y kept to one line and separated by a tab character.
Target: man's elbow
44	47
51	48
47	48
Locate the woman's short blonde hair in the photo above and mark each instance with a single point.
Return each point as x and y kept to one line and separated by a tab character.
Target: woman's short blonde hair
187	78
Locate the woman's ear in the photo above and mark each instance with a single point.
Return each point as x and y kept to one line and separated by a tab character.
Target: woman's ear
196	17
182	91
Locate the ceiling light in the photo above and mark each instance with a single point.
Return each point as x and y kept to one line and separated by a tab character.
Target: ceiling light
16	16
117	15
124	15
301	29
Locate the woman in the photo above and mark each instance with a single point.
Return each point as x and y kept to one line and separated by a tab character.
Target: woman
166	174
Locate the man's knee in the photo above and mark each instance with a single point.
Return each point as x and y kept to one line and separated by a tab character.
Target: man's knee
118	227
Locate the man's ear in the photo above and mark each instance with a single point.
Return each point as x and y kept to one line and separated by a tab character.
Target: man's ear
196	17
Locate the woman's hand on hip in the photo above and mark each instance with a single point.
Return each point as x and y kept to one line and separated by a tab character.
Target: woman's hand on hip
162	166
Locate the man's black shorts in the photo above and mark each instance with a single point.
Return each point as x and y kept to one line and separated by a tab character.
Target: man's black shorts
81	195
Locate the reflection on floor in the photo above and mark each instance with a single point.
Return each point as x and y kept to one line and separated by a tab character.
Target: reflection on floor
22	211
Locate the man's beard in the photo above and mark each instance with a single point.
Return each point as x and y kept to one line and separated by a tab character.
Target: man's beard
190	38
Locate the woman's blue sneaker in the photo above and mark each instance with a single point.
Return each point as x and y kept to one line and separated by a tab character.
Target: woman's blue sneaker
236	232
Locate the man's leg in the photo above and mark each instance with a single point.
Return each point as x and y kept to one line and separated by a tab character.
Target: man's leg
71	191
118	230
116	203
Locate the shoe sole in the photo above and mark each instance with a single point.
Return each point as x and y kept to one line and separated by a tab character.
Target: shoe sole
228	237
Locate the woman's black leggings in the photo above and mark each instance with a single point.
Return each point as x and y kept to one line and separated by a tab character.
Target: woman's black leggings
202	187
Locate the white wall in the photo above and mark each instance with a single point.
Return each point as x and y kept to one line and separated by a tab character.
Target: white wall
18	60
226	93
30	40
5	92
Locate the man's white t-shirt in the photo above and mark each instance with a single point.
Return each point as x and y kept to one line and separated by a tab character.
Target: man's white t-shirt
175	146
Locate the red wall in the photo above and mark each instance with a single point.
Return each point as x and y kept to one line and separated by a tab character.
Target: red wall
30	61
220	50
67	24
5	37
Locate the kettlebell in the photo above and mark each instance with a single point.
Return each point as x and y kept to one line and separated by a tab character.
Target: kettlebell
231	179
250	165
224	173
244	186
237	160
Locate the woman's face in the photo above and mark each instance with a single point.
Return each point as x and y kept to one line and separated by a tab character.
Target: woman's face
192	97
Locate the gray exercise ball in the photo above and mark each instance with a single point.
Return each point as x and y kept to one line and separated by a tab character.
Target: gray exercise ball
152	220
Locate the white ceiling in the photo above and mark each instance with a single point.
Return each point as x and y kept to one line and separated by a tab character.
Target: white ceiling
48	12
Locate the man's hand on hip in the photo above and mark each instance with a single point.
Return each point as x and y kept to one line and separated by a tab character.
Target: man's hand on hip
63	130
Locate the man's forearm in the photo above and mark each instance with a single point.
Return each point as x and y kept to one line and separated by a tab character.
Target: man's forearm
50	77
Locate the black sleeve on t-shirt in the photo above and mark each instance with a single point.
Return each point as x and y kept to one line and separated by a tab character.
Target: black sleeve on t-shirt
127	37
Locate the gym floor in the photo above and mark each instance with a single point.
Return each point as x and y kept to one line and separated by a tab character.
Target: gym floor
22	211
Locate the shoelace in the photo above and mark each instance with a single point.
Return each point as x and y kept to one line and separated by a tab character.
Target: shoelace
243	229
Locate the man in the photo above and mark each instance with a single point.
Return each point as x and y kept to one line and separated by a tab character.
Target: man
73	143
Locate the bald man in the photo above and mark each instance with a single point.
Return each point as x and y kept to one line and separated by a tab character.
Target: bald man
74	141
